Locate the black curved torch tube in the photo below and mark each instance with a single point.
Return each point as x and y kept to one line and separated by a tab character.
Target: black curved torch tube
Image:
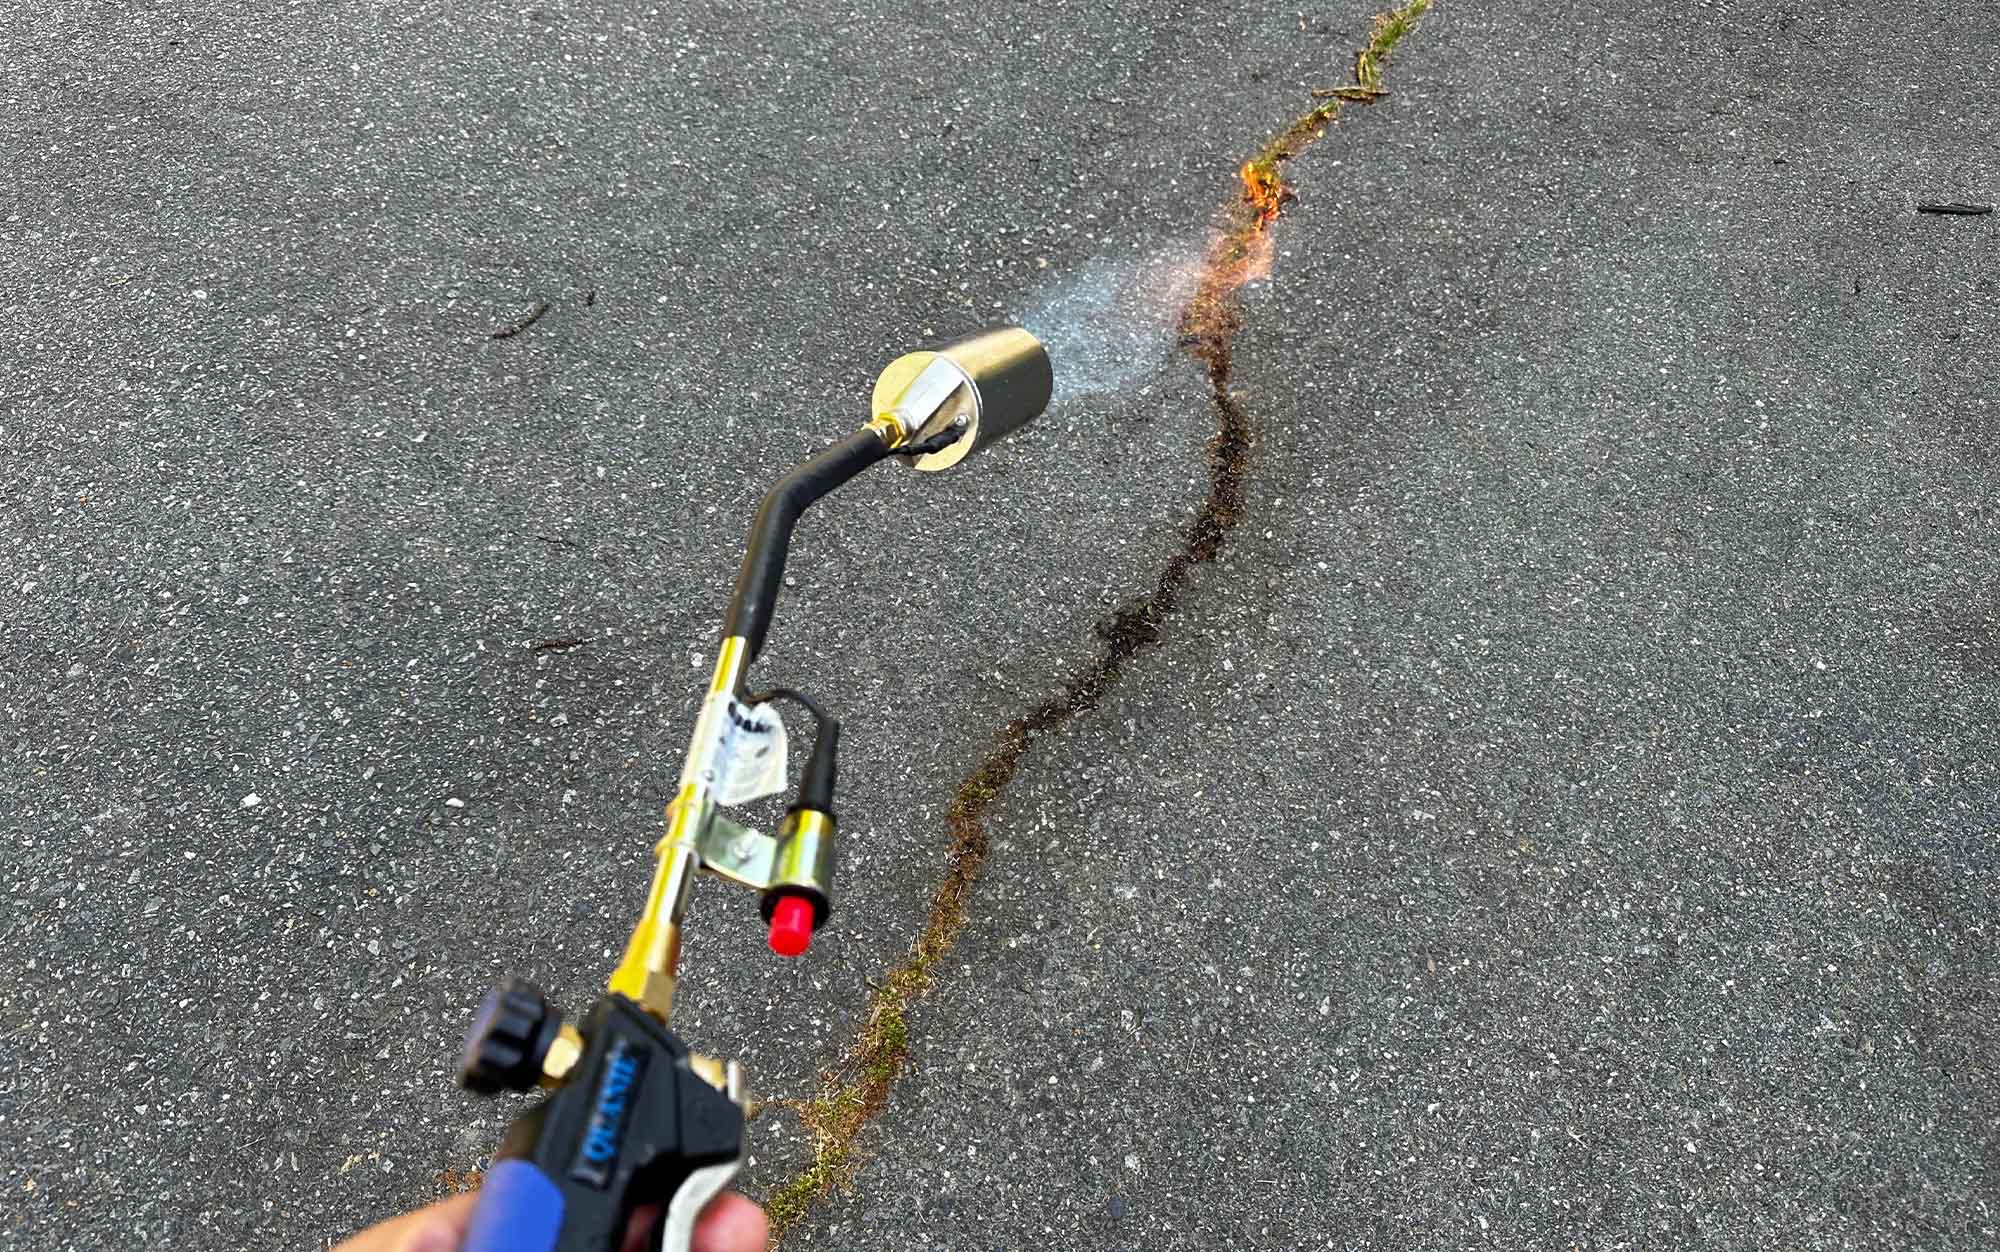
763	569
816	784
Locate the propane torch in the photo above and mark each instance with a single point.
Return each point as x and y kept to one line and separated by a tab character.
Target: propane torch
633	1116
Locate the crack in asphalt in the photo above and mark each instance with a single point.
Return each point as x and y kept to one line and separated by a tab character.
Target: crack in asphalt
859	1087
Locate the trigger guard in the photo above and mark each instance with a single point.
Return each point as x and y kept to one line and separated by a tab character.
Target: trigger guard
703	1185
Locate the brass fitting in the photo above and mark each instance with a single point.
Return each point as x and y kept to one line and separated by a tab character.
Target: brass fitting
890	430
562	1056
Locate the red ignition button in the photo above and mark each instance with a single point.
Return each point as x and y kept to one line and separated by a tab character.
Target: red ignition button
791	925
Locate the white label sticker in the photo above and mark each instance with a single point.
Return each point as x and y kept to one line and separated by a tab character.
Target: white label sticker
751	764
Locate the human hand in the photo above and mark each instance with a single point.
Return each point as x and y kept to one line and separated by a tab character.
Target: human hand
730	1223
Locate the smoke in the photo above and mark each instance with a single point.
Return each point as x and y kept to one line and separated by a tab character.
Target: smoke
1111	323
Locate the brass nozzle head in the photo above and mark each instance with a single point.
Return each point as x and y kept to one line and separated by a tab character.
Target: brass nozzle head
991	384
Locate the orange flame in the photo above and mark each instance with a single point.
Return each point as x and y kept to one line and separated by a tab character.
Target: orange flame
1240	252
1263	190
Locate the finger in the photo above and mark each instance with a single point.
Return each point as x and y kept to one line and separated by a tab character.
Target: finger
639	1231
444	1228
436	1228
730	1223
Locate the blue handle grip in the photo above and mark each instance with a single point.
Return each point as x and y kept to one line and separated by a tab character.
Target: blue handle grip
520	1210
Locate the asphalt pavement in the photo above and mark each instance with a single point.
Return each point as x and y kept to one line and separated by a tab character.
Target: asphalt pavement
1562	816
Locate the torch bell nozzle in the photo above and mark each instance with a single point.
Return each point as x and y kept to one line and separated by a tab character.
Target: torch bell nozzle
989	385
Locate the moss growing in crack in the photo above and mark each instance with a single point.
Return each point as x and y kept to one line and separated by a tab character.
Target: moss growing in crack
1389	30
1366	87
860	1087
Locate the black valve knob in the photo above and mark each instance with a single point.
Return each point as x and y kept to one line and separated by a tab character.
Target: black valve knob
510	1036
